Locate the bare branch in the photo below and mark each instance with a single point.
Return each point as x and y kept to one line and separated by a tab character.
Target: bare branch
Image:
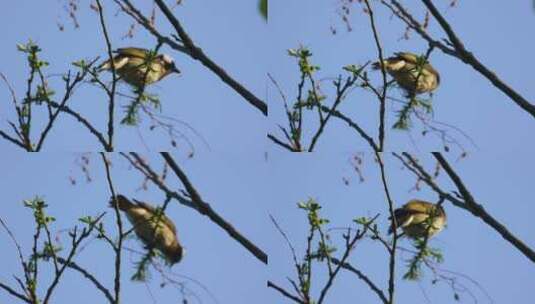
364	278
111	93
119	246
90	277
285	293
205	209
459	50
382	96
195	52
478	210
14	293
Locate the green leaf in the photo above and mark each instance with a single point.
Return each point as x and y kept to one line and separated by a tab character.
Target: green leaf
86	220
80	63
263	8
353	69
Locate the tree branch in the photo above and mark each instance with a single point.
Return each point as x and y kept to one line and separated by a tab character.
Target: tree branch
459	51
90	277
205	209
14	293
197	53
478	210
364	278
111	93
285	293
119	247
382	96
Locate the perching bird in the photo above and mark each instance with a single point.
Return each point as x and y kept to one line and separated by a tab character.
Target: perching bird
131	65
420	218
144	217
405	69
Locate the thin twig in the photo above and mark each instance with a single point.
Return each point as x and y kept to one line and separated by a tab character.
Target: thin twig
90	277
364	278
111	94
118	248
382	96
284	292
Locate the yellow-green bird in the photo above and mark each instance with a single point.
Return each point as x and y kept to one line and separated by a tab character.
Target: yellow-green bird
136	67
420	218
404	68
144	218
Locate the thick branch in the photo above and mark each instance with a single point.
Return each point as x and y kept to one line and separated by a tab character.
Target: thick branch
207	210
460	51
139	164
196	53
478	210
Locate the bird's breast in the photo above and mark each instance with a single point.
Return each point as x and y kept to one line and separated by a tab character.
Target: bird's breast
144	223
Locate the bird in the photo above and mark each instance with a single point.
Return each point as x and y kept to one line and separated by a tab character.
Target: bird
131	65
144	218
419	218
406	68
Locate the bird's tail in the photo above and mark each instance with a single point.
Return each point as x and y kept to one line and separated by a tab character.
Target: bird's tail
400	215
376	65
106	65
122	202
391	229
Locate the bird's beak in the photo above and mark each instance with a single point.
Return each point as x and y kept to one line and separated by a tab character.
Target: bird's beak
174	69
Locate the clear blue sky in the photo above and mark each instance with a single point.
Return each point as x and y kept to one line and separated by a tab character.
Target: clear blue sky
234	176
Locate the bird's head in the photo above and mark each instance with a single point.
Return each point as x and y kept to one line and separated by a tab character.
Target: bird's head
169	64
122	202
175	255
440	212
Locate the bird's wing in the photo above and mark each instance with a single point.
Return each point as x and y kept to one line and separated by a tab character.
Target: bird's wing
408	57
133	52
412	58
119	61
152	210
407	221
417	206
403	216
